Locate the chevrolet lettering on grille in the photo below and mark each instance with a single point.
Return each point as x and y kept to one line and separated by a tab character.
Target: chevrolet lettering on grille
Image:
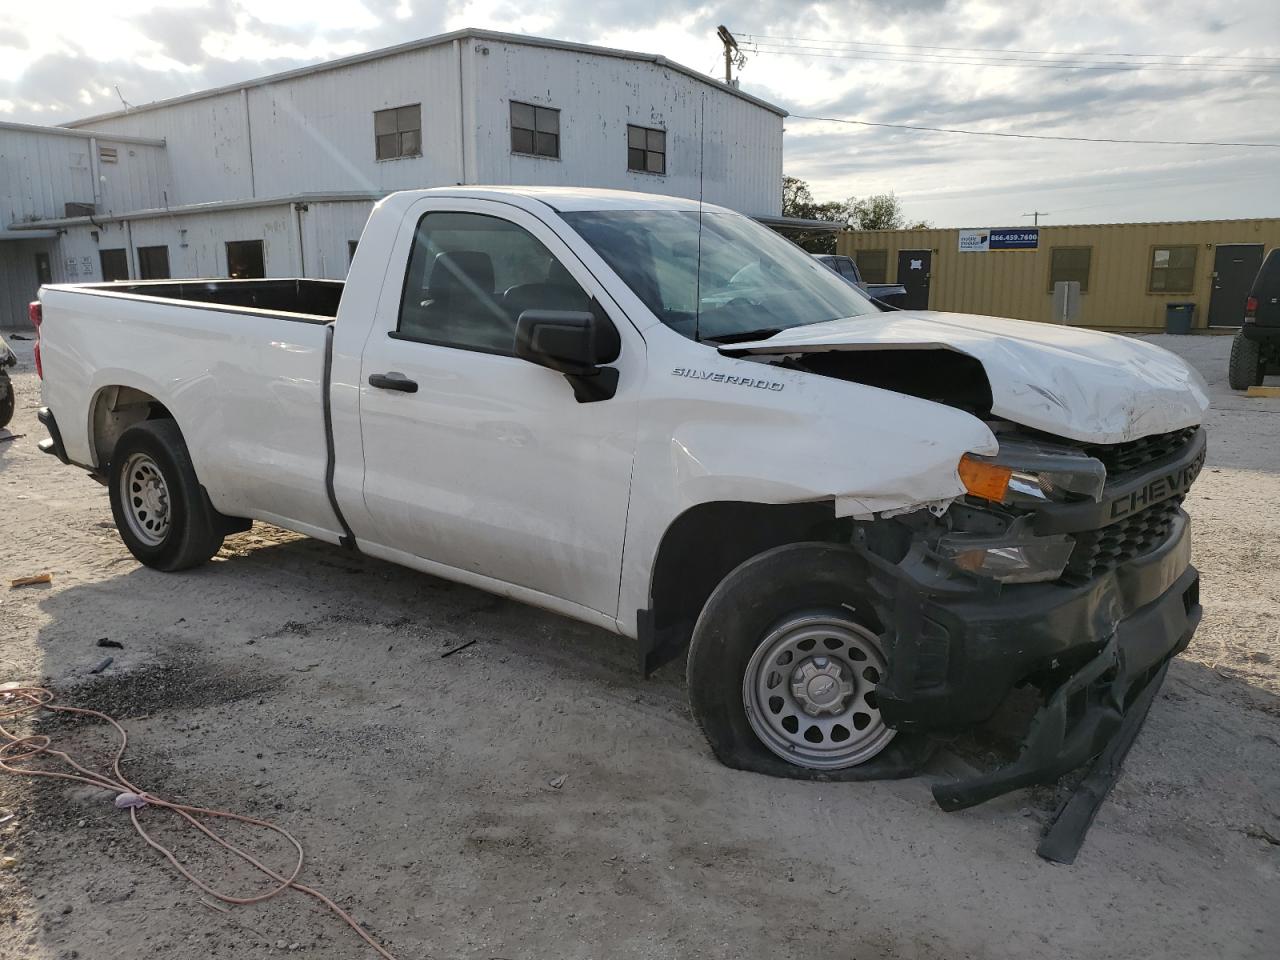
1159	488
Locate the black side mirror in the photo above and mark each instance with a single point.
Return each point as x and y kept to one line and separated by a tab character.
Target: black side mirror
577	344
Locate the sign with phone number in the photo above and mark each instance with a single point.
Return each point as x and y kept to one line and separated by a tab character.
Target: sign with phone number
980	241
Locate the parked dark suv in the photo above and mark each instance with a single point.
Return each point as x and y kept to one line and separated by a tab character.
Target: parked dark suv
1256	348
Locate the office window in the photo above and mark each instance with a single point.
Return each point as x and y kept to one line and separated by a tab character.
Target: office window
44	268
153	263
535	130
115	264
1173	269
646	149
873	264
245	260
1070	263
398	132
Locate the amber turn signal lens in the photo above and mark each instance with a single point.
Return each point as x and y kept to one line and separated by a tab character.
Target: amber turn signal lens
984	480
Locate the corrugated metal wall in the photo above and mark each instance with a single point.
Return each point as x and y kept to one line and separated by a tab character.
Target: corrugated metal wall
597	97
1015	283
41	172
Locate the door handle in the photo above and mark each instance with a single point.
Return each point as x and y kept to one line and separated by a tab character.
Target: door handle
393	381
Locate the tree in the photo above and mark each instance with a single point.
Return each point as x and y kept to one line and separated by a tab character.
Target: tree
880	211
798	201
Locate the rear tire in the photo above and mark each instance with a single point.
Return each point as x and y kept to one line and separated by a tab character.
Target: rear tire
784	664
7	401
1245	367
161	512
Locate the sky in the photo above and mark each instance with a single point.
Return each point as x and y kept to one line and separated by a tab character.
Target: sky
64	60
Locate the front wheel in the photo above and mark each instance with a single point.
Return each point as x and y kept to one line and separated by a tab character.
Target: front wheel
785	662
7	399
161	512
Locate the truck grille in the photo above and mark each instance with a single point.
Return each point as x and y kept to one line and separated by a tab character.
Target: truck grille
1098	551
1122	458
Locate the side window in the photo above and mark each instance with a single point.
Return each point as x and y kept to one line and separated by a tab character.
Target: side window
469	278
846	269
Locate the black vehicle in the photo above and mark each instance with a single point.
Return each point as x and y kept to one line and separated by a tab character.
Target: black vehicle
7	360
1256	348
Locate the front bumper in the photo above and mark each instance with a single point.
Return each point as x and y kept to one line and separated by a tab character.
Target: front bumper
959	646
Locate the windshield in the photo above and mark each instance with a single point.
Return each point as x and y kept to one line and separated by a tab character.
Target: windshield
747	282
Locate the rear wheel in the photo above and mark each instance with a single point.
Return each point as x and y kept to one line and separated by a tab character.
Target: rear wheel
161	512
785	662
1245	367
7	399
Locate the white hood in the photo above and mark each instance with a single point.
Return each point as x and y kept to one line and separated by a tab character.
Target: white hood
1081	384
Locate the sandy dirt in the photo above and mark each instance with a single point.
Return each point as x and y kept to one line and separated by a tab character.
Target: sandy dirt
292	680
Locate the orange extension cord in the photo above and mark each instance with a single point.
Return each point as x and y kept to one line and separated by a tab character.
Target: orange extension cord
18	702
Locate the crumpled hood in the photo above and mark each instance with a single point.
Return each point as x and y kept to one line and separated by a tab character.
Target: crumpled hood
1081	384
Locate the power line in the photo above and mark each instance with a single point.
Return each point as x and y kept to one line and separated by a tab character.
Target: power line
1037	136
1052	53
983	60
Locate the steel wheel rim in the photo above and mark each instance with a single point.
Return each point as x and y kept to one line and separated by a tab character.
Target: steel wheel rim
144	494
823	662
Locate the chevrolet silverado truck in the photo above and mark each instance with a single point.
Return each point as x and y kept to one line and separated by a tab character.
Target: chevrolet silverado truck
863	529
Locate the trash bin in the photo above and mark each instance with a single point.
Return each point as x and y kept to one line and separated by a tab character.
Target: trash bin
1178	317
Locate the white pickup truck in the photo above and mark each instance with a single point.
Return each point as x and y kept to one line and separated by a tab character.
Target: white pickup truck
660	417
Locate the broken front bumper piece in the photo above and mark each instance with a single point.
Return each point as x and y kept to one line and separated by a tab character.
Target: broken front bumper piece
960	647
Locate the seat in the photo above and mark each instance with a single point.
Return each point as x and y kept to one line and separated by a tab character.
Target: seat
559	291
459	304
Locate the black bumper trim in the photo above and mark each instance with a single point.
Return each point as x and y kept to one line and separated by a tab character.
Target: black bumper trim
53	445
1260	334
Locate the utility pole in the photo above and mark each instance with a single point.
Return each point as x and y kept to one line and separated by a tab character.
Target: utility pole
731	53
1036	215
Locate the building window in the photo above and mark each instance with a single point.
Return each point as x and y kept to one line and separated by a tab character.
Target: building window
398	132
1070	263
873	264
1173	269
245	260
535	130
44	268
115	264
646	149
153	263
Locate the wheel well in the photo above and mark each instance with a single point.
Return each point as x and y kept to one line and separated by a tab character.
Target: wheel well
115	409
703	545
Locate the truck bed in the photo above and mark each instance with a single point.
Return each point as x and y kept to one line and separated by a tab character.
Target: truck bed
304	299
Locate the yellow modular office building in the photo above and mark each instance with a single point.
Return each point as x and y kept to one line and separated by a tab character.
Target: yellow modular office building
1128	272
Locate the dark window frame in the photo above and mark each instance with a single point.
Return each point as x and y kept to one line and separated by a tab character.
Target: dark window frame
399	139
1071	248
145	266
644	155
262	248
865	267
1190	269
539	135
122	262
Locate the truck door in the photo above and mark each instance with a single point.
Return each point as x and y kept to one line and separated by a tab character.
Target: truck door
475	458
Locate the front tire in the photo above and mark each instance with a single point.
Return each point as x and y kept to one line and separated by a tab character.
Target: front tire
1245	368
784	664
161	512
7	401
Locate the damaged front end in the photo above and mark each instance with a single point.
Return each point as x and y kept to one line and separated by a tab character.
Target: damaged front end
1066	567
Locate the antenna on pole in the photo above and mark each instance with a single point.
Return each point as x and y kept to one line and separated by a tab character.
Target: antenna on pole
732	55
127	105
1036	215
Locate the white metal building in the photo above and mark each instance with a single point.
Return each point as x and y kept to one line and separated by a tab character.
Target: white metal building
276	176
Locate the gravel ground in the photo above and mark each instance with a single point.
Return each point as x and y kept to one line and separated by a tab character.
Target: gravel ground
291	680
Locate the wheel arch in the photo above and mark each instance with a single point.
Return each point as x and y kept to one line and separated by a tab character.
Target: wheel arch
112	411
702	545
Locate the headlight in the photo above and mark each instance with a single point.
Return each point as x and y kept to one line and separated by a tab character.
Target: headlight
1015	556
1028	472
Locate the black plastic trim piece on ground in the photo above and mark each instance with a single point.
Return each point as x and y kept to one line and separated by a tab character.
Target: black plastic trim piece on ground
348	538
1065	835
